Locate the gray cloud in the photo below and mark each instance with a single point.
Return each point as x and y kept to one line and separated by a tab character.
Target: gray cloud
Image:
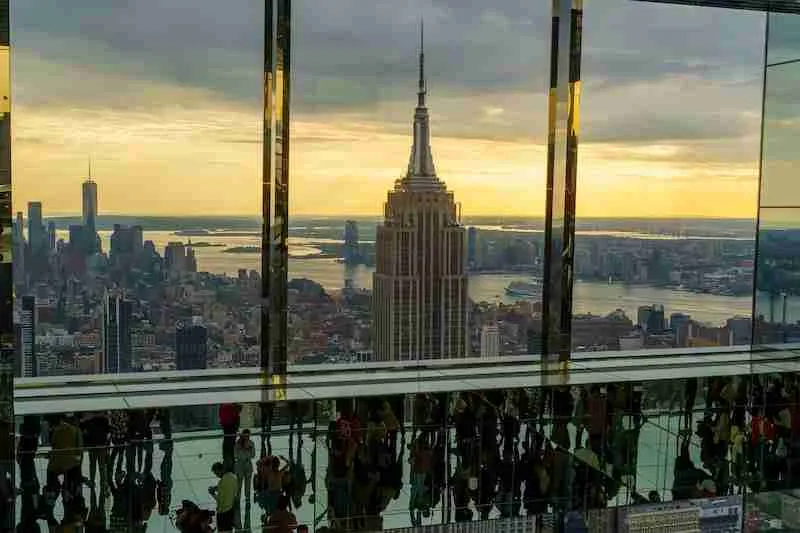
648	127
784	42
358	56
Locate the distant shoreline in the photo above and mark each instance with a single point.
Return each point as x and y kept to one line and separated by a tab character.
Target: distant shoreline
251	226
207	233
242	250
203	244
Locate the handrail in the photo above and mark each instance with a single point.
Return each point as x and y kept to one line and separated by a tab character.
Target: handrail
250	385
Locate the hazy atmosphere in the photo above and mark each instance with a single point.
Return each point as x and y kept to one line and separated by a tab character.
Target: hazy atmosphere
165	99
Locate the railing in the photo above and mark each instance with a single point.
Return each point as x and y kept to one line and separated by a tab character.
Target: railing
319	382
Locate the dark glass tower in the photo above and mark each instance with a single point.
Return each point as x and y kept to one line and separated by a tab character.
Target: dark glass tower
191	345
36	230
89	197
30	365
117	335
351	251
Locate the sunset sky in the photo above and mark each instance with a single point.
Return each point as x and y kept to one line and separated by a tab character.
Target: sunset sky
164	96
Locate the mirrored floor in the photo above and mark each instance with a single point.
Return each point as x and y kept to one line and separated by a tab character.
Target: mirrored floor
149	483
367	464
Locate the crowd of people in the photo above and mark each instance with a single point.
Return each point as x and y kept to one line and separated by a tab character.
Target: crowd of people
482	454
109	456
461	457
532	452
119	447
749	437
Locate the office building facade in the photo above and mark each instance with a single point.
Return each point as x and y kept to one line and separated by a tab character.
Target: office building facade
89	212
490	341
351	250
420	282
191	345
30	364
116	334
36	230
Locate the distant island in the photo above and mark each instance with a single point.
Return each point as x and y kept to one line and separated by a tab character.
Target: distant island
208	233
257	250
242	250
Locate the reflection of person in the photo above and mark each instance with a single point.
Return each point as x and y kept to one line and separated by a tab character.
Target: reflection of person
244	453
126	505
65	458
96	520
689	400
274	477
164	485
139	436
26	451
6	490
281	520
225	493
75	514
119	439
229	419
3	250
421	461
96	430
149	500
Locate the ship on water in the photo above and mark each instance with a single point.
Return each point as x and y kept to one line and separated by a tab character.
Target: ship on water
525	289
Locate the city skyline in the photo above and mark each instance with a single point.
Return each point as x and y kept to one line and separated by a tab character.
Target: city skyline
193	130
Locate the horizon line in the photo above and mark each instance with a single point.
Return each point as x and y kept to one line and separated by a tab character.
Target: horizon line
351	215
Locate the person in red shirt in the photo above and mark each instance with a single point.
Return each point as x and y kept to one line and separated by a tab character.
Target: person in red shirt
763	430
229	420
349	418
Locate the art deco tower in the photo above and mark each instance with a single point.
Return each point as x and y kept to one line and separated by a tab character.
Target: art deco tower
420	284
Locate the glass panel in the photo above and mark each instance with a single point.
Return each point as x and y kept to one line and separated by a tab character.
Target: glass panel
781	126
158	459
562	168
275	189
784	44
416	228
7	352
137	132
778	284
778	304
668	177
426	459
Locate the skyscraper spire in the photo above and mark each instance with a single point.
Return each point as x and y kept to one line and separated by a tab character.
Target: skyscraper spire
422	88
420	284
90	167
420	164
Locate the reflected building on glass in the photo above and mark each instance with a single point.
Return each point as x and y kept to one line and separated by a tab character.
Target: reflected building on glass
420	282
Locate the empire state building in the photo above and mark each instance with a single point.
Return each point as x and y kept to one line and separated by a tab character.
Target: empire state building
420	284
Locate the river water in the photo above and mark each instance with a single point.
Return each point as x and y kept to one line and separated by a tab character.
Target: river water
589	297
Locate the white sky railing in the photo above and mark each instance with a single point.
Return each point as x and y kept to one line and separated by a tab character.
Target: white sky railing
319	382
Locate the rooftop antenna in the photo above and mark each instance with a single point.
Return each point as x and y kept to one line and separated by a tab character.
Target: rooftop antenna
90	167
423	89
